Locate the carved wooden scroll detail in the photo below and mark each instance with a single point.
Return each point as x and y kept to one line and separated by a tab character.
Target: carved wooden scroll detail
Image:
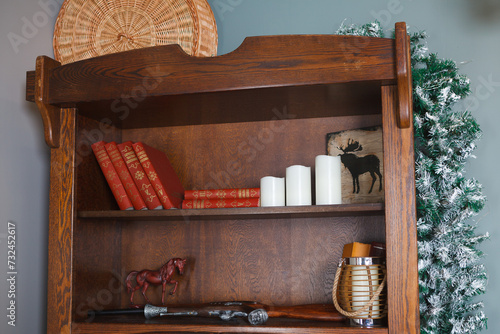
51	115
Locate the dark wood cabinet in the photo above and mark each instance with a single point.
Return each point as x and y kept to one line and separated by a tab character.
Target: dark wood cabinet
224	122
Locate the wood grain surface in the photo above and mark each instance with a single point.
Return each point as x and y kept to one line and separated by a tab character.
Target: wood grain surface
264	61
61	218
401	221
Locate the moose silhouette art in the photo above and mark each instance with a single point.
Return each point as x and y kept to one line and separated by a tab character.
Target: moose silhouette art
360	165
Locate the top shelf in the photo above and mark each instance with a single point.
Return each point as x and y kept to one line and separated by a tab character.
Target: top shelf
260	62
163	86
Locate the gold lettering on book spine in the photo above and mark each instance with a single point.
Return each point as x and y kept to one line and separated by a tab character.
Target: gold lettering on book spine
114	155
142	156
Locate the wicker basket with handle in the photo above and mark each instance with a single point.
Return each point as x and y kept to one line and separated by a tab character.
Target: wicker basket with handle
359	290
90	28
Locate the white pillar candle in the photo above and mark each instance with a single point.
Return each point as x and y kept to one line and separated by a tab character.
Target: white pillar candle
272	191
298	185
365	281
328	180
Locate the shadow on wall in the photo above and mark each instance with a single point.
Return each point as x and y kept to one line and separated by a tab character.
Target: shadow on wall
486	10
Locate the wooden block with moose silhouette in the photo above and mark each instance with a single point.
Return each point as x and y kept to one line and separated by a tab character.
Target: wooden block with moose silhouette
361	154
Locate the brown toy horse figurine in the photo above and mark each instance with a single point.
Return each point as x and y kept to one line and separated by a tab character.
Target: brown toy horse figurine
162	276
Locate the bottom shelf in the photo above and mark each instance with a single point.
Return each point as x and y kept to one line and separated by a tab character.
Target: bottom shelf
137	324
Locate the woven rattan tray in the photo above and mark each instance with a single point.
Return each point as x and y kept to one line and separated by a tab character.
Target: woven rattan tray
90	28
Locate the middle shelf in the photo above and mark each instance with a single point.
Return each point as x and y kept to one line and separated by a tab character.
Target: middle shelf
312	211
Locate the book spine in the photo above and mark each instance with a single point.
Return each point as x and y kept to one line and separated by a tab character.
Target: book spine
150	170
222	193
220	203
139	176
125	177
111	176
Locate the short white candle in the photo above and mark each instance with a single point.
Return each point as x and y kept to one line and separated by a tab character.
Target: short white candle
298	185
328	180
272	191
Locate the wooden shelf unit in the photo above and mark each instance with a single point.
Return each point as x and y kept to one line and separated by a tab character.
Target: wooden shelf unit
225	121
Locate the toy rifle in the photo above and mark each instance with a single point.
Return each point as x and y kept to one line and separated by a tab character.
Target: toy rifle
256	313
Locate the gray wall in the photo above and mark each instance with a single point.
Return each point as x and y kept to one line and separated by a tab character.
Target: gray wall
464	30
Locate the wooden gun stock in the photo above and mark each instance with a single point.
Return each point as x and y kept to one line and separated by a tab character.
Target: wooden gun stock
320	312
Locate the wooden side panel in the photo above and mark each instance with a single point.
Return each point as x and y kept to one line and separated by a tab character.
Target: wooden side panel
403	70
62	195
30	86
401	234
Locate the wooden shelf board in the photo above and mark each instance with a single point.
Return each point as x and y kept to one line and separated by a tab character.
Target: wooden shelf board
311	211
204	325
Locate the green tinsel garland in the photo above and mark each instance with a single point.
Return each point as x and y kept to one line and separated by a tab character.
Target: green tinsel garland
450	271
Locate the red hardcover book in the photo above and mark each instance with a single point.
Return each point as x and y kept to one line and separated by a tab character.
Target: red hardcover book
222	193
162	175
220	203
125	177
139	176
111	176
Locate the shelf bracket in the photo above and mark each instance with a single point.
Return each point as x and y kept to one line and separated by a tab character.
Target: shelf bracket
403	73
51	115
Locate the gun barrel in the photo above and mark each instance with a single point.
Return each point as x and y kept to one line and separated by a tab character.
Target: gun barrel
92	313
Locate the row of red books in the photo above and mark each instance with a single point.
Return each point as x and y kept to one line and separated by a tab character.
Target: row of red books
140	176
221	198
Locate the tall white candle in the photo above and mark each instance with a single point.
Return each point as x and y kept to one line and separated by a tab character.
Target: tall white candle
328	180
272	191
298	185
365	281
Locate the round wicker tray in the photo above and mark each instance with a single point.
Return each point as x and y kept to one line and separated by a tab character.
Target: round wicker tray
90	28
